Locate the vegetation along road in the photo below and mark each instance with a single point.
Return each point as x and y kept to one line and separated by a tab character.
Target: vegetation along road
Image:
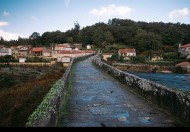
98	100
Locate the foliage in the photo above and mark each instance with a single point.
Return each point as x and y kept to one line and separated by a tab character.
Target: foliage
138	59
8	58
98	37
144	40
35	39
46	105
6	81
70	40
117	58
172	55
36	59
140	35
17	103
114	57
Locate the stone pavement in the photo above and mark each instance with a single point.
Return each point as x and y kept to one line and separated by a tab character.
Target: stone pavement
98	100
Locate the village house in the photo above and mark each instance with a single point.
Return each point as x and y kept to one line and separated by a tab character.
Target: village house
46	53
88	47
24	50
15	50
64	59
62	47
37	51
106	56
126	53
184	50
5	50
22	59
77	46
70	53
156	58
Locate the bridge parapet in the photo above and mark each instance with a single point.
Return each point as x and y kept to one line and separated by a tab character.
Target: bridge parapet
175	101
47	113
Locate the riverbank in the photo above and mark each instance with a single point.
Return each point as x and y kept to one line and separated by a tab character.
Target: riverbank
143	68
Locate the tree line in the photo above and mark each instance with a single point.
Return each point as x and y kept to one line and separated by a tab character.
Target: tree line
141	35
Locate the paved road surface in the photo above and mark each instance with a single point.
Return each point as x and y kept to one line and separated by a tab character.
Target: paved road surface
98	100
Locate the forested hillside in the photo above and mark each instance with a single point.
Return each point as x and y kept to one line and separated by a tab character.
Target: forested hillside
141	35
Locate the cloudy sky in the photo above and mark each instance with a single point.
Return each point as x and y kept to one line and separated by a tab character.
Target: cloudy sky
23	17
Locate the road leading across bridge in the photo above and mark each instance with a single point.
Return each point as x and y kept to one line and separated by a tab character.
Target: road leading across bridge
98	100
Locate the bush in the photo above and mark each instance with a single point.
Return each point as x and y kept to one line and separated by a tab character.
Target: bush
115	57
19	102
8	58
138	59
173	55
36	59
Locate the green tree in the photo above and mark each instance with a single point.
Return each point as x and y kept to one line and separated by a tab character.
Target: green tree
108	37
35	39
76	26
98	38
70	40
147	41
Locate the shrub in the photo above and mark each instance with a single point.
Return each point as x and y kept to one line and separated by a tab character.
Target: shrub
138	59
19	102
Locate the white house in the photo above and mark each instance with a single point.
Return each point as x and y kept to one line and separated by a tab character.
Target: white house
22	60
5	51
65	59
156	58
127	52
88	47
107	55
184	50
62	47
23	50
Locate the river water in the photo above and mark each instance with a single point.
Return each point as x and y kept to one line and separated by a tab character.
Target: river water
181	81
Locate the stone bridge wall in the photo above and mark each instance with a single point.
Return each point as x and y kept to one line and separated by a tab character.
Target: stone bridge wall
47	113
175	101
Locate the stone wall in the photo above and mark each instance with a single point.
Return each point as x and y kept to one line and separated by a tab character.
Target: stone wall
47	113
174	101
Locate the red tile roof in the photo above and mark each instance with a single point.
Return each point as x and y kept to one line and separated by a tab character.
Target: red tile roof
183	64
124	51
37	49
186	45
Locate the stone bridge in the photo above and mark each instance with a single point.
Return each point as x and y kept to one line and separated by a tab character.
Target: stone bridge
98	100
88	97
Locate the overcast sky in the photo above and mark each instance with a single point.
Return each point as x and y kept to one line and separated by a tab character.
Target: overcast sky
23	17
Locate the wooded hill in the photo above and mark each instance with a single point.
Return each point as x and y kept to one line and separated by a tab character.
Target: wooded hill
141	35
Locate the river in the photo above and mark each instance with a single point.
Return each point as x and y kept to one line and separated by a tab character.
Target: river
181	81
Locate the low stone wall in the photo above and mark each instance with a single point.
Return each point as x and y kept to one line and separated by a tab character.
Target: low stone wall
175	101
47	113
30	63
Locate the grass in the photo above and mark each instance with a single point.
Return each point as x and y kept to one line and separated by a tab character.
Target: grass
64	108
